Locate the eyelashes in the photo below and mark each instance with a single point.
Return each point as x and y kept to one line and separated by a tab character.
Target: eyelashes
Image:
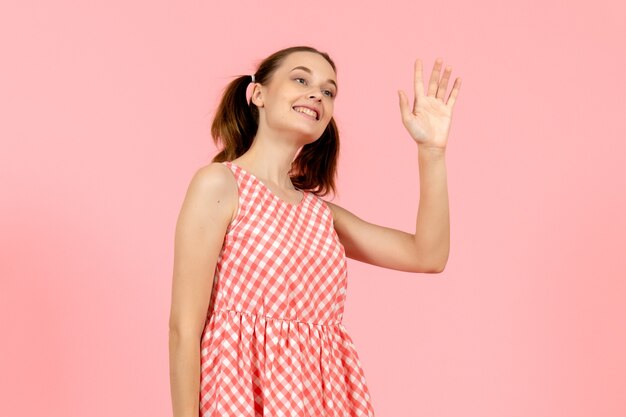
329	95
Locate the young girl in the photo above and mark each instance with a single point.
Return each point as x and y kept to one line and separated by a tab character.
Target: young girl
260	272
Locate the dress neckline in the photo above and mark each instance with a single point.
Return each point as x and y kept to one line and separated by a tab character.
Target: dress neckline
258	180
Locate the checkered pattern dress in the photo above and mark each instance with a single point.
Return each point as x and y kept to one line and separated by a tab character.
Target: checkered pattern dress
273	344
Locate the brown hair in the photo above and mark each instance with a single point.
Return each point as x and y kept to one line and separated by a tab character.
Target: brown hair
236	122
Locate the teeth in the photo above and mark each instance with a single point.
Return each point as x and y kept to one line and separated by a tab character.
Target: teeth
306	111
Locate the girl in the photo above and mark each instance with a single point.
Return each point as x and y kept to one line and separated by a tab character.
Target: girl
260	258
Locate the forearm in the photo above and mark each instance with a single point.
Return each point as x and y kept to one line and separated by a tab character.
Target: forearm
184	354
432	230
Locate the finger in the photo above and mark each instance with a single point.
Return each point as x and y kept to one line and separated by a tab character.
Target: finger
404	104
434	78
419	83
454	92
443	85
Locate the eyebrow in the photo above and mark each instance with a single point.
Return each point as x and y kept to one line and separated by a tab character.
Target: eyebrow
311	72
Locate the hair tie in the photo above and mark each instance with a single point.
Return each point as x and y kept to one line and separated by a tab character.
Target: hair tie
252	77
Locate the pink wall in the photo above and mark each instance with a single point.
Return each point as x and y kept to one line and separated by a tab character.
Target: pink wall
106	108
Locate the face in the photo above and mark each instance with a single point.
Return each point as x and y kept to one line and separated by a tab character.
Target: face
305	79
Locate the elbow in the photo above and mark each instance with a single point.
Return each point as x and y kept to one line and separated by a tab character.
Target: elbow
433	270
434	265
440	264
428	268
179	336
184	331
431	261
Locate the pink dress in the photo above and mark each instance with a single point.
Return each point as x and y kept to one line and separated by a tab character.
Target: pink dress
273	344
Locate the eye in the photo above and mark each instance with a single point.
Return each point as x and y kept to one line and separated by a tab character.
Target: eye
330	93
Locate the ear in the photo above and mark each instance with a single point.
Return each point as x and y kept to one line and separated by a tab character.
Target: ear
257	94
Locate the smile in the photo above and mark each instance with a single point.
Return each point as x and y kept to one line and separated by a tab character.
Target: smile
310	114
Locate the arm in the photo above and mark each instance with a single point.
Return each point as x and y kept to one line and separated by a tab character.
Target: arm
205	214
432	230
425	251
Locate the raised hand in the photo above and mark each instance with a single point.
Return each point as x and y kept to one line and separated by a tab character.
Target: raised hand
429	121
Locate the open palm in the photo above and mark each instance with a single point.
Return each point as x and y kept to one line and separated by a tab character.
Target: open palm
429	121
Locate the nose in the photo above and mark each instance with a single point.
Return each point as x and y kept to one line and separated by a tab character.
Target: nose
315	94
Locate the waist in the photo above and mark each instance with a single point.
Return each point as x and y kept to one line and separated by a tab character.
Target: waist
264	317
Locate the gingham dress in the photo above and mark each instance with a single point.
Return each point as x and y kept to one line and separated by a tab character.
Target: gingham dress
273	344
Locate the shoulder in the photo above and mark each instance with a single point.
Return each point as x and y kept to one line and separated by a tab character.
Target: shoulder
213	174
337	211
343	219
215	178
214	183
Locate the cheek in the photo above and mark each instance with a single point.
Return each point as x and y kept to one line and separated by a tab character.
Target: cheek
329	112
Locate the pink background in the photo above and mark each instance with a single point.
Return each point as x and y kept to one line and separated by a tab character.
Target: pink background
106	108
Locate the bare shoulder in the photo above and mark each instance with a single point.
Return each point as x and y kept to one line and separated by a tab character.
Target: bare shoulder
337	211
214	185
